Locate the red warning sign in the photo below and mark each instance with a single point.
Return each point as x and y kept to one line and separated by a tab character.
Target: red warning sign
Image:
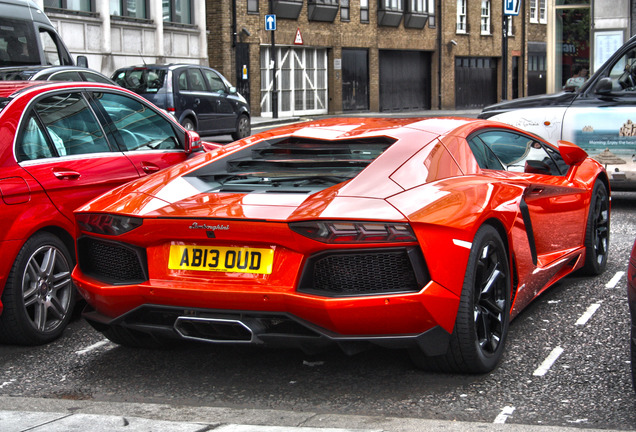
299	37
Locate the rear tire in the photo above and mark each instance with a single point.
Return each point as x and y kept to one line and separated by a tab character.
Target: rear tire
597	231
633	350
39	294
481	326
243	128
188	124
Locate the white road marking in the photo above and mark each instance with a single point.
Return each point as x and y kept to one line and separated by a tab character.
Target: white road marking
6	383
93	347
614	281
588	314
548	362
504	414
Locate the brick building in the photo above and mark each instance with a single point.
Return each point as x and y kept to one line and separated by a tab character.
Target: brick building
334	56
329	56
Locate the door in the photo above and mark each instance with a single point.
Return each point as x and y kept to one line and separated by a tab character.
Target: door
537	72
192	96
554	206
475	82
355	80
63	146
405	80
226	115
243	70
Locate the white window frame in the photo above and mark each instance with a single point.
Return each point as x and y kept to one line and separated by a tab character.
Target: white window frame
543	15
461	26
534	12
485	17
301	81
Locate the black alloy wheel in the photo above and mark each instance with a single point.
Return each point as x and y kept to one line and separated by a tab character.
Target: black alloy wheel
597	231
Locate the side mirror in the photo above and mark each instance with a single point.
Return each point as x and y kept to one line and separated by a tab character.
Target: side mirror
233	90
571	153
82	61
537	167
604	87
192	142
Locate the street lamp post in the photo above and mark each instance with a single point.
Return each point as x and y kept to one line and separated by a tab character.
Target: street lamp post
273	51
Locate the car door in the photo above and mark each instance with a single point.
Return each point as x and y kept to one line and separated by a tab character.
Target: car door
192	95
150	140
226	114
552	205
62	145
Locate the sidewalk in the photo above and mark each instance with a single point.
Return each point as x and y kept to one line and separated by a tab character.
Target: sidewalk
61	415
269	121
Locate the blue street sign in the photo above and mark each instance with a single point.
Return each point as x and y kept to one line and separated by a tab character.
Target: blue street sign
511	7
270	22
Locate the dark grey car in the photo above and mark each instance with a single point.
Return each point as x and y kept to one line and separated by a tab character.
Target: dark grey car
200	98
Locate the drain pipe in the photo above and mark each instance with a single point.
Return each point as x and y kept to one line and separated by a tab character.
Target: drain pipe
233	23
439	54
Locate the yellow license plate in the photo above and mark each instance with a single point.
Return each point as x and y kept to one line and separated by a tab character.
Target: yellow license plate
221	259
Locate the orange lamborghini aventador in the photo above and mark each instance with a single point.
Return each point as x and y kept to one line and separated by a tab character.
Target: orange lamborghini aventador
425	234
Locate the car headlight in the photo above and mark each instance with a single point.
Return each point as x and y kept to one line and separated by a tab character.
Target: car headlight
354	232
107	224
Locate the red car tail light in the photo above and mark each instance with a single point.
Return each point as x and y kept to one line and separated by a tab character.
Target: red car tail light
354	232
107	224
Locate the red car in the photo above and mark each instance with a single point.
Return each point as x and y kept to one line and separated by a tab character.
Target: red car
62	144
631	298
426	234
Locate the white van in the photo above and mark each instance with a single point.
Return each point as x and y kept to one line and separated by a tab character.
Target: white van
28	38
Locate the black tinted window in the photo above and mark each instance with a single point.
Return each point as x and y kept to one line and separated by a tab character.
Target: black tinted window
141	80
522	153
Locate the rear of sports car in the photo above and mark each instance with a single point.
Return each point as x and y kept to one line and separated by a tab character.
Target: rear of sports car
264	245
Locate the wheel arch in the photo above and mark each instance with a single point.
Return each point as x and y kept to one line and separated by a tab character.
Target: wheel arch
191	115
64	236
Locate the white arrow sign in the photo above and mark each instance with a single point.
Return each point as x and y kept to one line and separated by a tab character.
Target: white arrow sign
270	22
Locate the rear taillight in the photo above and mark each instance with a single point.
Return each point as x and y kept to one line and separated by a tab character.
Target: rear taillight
107	224
354	232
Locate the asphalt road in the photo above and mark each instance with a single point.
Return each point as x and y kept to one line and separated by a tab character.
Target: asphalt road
566	364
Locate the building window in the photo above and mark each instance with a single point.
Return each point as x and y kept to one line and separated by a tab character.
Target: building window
344	10
364	11
461	16
252	6
534	16
431	13
391	5
485	17
74	5
543	18
177	11
129	8
417	6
